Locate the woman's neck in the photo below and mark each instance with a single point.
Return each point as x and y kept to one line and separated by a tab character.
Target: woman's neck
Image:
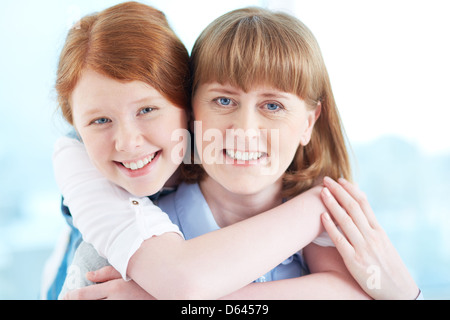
228	207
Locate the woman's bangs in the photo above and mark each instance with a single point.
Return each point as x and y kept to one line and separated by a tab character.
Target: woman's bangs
250	56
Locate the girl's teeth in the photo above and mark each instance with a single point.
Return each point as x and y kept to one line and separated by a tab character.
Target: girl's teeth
245	156
139	164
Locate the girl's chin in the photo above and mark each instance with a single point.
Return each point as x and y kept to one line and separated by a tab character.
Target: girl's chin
144	190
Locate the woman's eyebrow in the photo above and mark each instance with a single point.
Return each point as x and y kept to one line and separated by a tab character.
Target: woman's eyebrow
274	95
263	94
223	90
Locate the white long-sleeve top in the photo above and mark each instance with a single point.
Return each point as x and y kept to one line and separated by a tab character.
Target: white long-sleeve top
115	225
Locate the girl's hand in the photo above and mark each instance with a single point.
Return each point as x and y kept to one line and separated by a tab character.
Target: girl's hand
364	246
110	286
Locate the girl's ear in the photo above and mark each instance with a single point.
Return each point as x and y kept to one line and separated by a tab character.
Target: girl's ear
313	115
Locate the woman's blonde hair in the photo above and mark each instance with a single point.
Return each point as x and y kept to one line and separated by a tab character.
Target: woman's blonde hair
254	46
129	41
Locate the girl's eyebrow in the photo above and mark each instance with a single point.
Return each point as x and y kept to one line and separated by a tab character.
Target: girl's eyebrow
92	111
96	110
146	99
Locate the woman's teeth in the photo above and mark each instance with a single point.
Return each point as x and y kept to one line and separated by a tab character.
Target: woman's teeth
140	163
245	156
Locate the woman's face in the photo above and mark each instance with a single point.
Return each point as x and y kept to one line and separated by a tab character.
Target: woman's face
247	140
127	129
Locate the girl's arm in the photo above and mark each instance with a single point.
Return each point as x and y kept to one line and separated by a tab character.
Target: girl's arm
240	252
366	250
108	219
329	280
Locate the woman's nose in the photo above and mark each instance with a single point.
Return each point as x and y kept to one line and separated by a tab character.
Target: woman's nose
246	119
246	128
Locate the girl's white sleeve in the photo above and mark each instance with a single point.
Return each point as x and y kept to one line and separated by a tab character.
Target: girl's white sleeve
111	219
324	240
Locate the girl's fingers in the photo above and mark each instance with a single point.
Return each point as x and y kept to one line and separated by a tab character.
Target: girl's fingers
348	204
361	198
94	292
344	248
348	227
104	274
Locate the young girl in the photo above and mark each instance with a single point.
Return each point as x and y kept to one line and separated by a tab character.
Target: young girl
258	99
123	84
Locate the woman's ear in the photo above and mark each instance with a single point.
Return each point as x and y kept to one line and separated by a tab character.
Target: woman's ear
313	115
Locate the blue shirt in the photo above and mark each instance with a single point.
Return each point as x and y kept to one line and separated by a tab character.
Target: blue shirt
188	209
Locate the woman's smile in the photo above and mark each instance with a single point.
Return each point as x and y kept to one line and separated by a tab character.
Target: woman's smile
237	157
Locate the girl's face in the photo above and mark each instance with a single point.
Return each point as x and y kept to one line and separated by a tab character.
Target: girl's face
127	128
247	140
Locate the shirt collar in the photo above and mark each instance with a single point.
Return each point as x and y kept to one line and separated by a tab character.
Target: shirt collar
193	211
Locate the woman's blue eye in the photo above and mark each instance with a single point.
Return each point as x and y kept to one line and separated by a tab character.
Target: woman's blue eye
224	101
273	106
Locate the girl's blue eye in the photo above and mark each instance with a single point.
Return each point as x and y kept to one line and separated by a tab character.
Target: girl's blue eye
146	110
224	101
101	121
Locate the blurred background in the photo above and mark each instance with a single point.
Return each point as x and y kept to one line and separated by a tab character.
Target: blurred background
389	66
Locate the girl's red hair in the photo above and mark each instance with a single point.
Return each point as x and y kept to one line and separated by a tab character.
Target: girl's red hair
129	41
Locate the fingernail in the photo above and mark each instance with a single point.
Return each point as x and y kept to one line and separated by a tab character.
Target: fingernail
342	180
327	192
326	216
327	179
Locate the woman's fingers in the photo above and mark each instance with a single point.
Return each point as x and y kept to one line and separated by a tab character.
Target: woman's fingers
349	204
344	248
348	227
361	198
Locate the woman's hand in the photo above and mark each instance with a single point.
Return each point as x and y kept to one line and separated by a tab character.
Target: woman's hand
110	286
366	249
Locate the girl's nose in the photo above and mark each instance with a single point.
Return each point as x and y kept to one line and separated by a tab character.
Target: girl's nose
128	138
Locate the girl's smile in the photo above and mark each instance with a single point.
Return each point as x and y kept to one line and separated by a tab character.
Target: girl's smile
141	167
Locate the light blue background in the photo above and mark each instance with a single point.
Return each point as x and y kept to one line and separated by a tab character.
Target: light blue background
389	66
